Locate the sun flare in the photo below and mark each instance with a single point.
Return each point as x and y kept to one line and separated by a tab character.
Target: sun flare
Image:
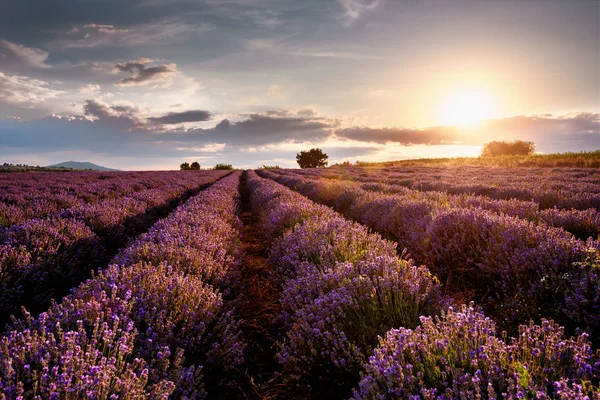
467	108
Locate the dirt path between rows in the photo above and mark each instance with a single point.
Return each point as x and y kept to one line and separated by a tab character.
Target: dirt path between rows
258	306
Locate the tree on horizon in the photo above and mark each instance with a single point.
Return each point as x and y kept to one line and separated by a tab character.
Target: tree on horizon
314	158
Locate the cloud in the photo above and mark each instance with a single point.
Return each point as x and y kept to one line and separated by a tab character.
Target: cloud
108	29
307	113
543	125
133	118
353	9
261	13
90	89
143	75
125	117
103	35
180	117
403	136
126	130
545	130
266	18
256	130
319	50
571	132
23	89
17	55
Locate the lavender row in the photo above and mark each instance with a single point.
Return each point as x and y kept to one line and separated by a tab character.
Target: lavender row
515	269
42	258
122	217
36	195
28	195
459	356
148	326
581	223
564	188
341	287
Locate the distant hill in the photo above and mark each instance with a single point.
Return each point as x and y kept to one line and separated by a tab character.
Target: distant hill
81	165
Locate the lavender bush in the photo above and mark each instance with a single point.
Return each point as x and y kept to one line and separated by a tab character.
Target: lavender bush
43	257
136	330
342	286
458	355
509	264
39	257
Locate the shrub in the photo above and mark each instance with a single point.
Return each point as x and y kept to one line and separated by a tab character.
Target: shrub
332	335
517	147
458	355
226	167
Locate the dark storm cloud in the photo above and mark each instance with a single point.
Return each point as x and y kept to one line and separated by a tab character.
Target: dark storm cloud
143	75
180	117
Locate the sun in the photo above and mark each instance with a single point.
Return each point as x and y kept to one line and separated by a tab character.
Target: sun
467	108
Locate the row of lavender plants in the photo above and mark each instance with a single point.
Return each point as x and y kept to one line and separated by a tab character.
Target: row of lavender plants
459	355
41	258
119	218
564	188
583	223
343	287
27	195
515	269
152	325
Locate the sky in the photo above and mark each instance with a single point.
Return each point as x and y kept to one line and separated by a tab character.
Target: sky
149	84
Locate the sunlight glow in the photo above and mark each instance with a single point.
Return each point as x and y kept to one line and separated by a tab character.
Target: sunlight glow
467	108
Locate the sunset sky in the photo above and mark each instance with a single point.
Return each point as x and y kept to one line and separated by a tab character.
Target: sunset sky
148	84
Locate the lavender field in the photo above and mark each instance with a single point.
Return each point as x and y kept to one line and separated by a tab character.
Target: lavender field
401	282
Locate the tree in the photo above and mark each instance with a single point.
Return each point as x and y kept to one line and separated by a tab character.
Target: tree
224	166
195	166
514	148
185	166
314	158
